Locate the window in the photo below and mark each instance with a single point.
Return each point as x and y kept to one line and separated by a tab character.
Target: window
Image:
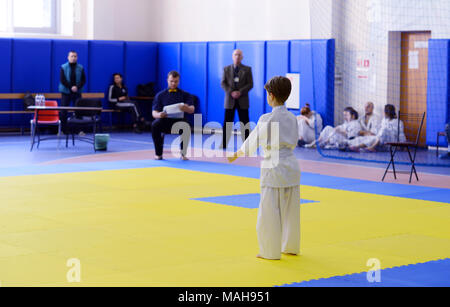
37	16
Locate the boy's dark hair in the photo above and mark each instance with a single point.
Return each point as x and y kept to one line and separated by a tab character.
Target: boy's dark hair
174	74
280	87
73	51
389	110
352	112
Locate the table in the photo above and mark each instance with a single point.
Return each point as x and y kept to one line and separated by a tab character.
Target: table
37	109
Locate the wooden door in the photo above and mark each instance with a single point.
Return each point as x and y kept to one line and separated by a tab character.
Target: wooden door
414	80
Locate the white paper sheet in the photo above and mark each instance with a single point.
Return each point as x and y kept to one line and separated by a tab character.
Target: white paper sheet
173	111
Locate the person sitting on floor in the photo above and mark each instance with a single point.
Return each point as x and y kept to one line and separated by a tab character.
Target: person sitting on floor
391	131
447	131
307	126
332	138
369	122
118	97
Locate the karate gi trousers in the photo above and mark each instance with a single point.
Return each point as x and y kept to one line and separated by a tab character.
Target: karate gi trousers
278	226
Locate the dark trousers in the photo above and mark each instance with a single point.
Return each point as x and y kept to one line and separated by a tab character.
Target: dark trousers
164	125
229	118
67	100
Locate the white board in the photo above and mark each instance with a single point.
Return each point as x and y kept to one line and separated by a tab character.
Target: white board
294	100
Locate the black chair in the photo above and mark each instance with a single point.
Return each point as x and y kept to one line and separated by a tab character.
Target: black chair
408	146
85	119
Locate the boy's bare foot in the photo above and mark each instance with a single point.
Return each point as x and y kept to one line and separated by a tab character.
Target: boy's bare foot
261	257
184	158
158	158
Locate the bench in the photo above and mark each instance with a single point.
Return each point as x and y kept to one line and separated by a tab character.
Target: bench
50	96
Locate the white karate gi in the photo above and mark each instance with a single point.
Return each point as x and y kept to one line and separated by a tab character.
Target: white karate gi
278	226
331	139
307	127
373	126
388	132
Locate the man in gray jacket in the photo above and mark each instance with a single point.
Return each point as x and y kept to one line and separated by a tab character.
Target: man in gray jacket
237	81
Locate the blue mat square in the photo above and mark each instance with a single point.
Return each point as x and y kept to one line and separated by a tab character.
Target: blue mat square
249	201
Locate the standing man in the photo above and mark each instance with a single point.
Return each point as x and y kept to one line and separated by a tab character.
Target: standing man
237	81
162	123
71	82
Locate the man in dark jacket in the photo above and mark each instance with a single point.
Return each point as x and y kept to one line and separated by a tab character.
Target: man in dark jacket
71	82
237	81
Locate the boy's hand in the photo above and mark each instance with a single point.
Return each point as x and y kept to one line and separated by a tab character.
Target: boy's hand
233	158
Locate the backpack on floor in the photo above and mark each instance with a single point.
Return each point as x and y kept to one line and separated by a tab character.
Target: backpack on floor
28	101
146	90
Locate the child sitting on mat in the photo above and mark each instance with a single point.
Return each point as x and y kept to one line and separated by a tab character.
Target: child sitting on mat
278	226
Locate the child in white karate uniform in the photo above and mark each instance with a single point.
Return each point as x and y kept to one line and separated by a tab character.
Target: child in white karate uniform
278	226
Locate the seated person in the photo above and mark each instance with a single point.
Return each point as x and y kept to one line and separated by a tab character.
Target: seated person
307	126
162	123
447	131
118	97
389	132
332	138
369	122
369	125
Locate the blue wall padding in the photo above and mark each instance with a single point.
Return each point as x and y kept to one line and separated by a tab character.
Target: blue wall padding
168	59
194	73
105	59
323	71
31	71
201	65
301	63
438	89
219	56
254	56
277	59
140	64
60	51
5	78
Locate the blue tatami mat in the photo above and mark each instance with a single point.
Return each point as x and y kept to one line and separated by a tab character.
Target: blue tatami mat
430	274
331	182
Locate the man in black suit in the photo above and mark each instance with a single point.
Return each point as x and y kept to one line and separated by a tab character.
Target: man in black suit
237	81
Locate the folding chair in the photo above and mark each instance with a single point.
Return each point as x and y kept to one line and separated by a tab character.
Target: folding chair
85	119
45	118
395	146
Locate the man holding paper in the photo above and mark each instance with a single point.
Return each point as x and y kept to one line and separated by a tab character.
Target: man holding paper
169	108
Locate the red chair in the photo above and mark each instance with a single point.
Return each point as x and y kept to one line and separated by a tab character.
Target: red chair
46	118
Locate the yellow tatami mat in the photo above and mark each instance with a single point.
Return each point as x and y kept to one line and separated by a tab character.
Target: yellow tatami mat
140	227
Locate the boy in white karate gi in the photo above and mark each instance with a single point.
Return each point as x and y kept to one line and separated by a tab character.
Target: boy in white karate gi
278	226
